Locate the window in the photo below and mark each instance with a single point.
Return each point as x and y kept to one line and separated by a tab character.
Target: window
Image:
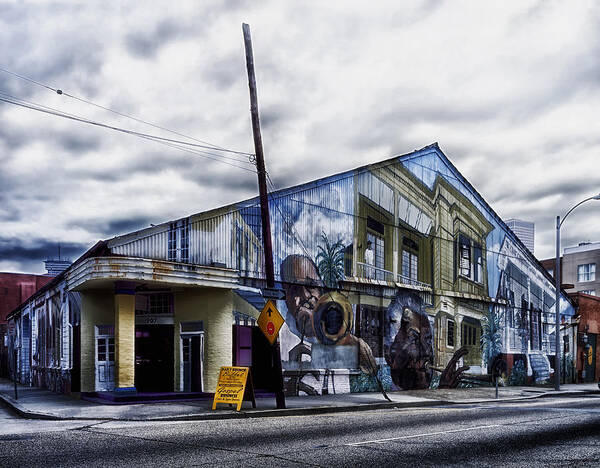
172	242
591	292
410	259
470	259
179	241
239	318
450	333
243	246
153	304
192	327
160	303
106	349
477	263
586	272
376	256
464	255
469	335
410	263
550	272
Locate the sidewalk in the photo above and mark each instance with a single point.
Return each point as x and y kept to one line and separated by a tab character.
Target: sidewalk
36	403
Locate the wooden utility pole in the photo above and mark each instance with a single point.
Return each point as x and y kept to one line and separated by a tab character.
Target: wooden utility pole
260	160
264	206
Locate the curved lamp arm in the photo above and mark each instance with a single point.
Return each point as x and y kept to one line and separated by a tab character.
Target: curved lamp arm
595	197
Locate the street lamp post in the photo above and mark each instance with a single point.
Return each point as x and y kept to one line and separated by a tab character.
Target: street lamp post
559	223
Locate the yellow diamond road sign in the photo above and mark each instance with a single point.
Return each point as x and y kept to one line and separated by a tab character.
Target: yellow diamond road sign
270	321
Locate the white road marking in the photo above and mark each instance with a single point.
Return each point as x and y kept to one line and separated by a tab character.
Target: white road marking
378	441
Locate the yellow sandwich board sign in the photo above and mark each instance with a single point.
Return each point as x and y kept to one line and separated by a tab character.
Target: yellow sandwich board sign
234	387
270	321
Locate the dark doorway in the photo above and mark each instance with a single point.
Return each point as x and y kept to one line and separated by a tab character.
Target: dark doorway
252	349
154	362
192	347
590	359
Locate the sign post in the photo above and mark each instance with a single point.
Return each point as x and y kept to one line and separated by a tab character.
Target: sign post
270	321
234	387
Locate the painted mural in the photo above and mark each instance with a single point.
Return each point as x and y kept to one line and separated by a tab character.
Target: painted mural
399	276
319	322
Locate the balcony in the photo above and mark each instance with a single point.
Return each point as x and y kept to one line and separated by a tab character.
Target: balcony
371	274
364	270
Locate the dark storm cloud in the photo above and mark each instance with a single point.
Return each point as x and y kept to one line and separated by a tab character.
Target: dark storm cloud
232	181
222	74
120	226
74	140
76	143
70	65
206	173
146	43
568	190
273	116
13	87
12	249
113	227
84	58
389	122
11	135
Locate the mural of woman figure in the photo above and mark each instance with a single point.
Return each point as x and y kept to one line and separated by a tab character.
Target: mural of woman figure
410	354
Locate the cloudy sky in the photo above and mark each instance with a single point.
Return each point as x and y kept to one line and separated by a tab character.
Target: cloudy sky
510	91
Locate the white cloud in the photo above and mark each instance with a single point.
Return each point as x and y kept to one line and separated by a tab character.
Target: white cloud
508	90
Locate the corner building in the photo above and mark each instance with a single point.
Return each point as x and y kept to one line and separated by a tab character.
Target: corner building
388	270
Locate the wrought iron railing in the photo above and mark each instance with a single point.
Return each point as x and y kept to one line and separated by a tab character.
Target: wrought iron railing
364	270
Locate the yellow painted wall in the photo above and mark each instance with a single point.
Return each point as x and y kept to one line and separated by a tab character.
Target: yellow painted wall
97	308
124	340
214	307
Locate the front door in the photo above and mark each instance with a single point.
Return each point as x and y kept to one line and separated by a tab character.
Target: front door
242	345
252	349
192	359
25	349
154	362
590	359
105	362
471	339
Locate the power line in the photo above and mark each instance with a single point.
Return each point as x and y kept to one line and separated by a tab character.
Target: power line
63	93
51	111
54	111
173	143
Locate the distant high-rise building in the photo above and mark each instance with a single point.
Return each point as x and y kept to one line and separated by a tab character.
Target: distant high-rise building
524	230
55	267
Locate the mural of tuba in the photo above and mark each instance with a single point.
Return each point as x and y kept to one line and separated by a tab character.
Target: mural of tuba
333	318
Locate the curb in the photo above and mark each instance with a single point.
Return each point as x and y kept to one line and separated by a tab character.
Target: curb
18	408
270	413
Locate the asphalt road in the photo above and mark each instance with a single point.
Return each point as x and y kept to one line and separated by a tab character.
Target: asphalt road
548	432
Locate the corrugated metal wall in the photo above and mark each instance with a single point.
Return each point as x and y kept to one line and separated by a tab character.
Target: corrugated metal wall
151	246
299	218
